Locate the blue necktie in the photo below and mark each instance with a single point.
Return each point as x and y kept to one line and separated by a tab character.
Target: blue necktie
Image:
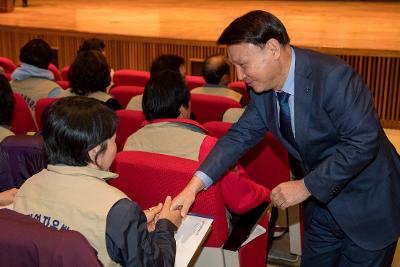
285	119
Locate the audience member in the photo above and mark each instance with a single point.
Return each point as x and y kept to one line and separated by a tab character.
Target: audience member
162	63
89	75
169	131
92	44
98	45
168	62
7	107
72	193
216	73
32	79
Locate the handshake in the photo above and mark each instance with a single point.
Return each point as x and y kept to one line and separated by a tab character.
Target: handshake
163	211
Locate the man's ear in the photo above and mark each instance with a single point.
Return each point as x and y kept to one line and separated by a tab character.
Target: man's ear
93	152
275	47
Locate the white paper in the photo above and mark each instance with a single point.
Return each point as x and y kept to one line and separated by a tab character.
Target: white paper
189	237
257	231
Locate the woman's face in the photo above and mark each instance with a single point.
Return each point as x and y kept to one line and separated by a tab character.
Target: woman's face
105	159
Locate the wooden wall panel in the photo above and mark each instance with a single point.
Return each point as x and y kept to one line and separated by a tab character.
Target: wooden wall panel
379	69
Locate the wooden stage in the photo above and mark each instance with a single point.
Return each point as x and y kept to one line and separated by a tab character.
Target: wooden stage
365	34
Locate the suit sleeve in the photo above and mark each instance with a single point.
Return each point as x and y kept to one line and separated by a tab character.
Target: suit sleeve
350	107
248	131
240	193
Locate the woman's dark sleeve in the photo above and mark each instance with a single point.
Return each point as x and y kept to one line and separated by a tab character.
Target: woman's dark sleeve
130	244
113	103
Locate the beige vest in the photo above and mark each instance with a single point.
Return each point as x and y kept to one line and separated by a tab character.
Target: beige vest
75	198
33	89
168	138
135	103
4	132
218	91
99	95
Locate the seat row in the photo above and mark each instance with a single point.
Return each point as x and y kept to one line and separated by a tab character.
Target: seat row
120	78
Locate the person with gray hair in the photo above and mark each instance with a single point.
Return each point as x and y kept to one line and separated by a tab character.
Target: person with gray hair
216	73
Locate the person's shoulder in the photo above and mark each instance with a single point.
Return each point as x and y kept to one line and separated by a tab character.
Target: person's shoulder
318	61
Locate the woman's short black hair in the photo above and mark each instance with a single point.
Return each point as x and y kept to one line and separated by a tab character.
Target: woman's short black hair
89	73
92	44
74	125
166	62
37	53
255	27
6	101
164	94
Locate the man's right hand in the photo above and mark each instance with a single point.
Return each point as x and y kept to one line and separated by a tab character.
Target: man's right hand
186	197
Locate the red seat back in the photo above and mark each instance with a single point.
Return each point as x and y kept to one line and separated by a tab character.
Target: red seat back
148	178
8	76
124	93
131	77
55	71
22	120
210	107
64	84
129	121
7	64
240	87
267	163
41	104
64	73
194	81
217	128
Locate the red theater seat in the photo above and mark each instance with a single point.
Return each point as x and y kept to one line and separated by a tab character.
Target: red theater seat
41	104
55	71
64	73
194	81
148	178
124	93
211	108
129	121
267	163
22	120
7	64
131	77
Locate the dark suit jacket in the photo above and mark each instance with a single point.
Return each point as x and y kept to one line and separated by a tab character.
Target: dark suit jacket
350	166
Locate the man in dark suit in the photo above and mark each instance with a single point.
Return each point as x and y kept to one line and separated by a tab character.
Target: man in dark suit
347	172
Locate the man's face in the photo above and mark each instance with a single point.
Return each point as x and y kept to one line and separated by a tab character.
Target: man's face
255	65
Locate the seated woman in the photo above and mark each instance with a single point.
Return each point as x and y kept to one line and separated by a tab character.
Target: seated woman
89	75
7	107
32	79
72	193
169	131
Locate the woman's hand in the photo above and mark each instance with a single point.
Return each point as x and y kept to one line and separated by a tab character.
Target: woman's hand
152	215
